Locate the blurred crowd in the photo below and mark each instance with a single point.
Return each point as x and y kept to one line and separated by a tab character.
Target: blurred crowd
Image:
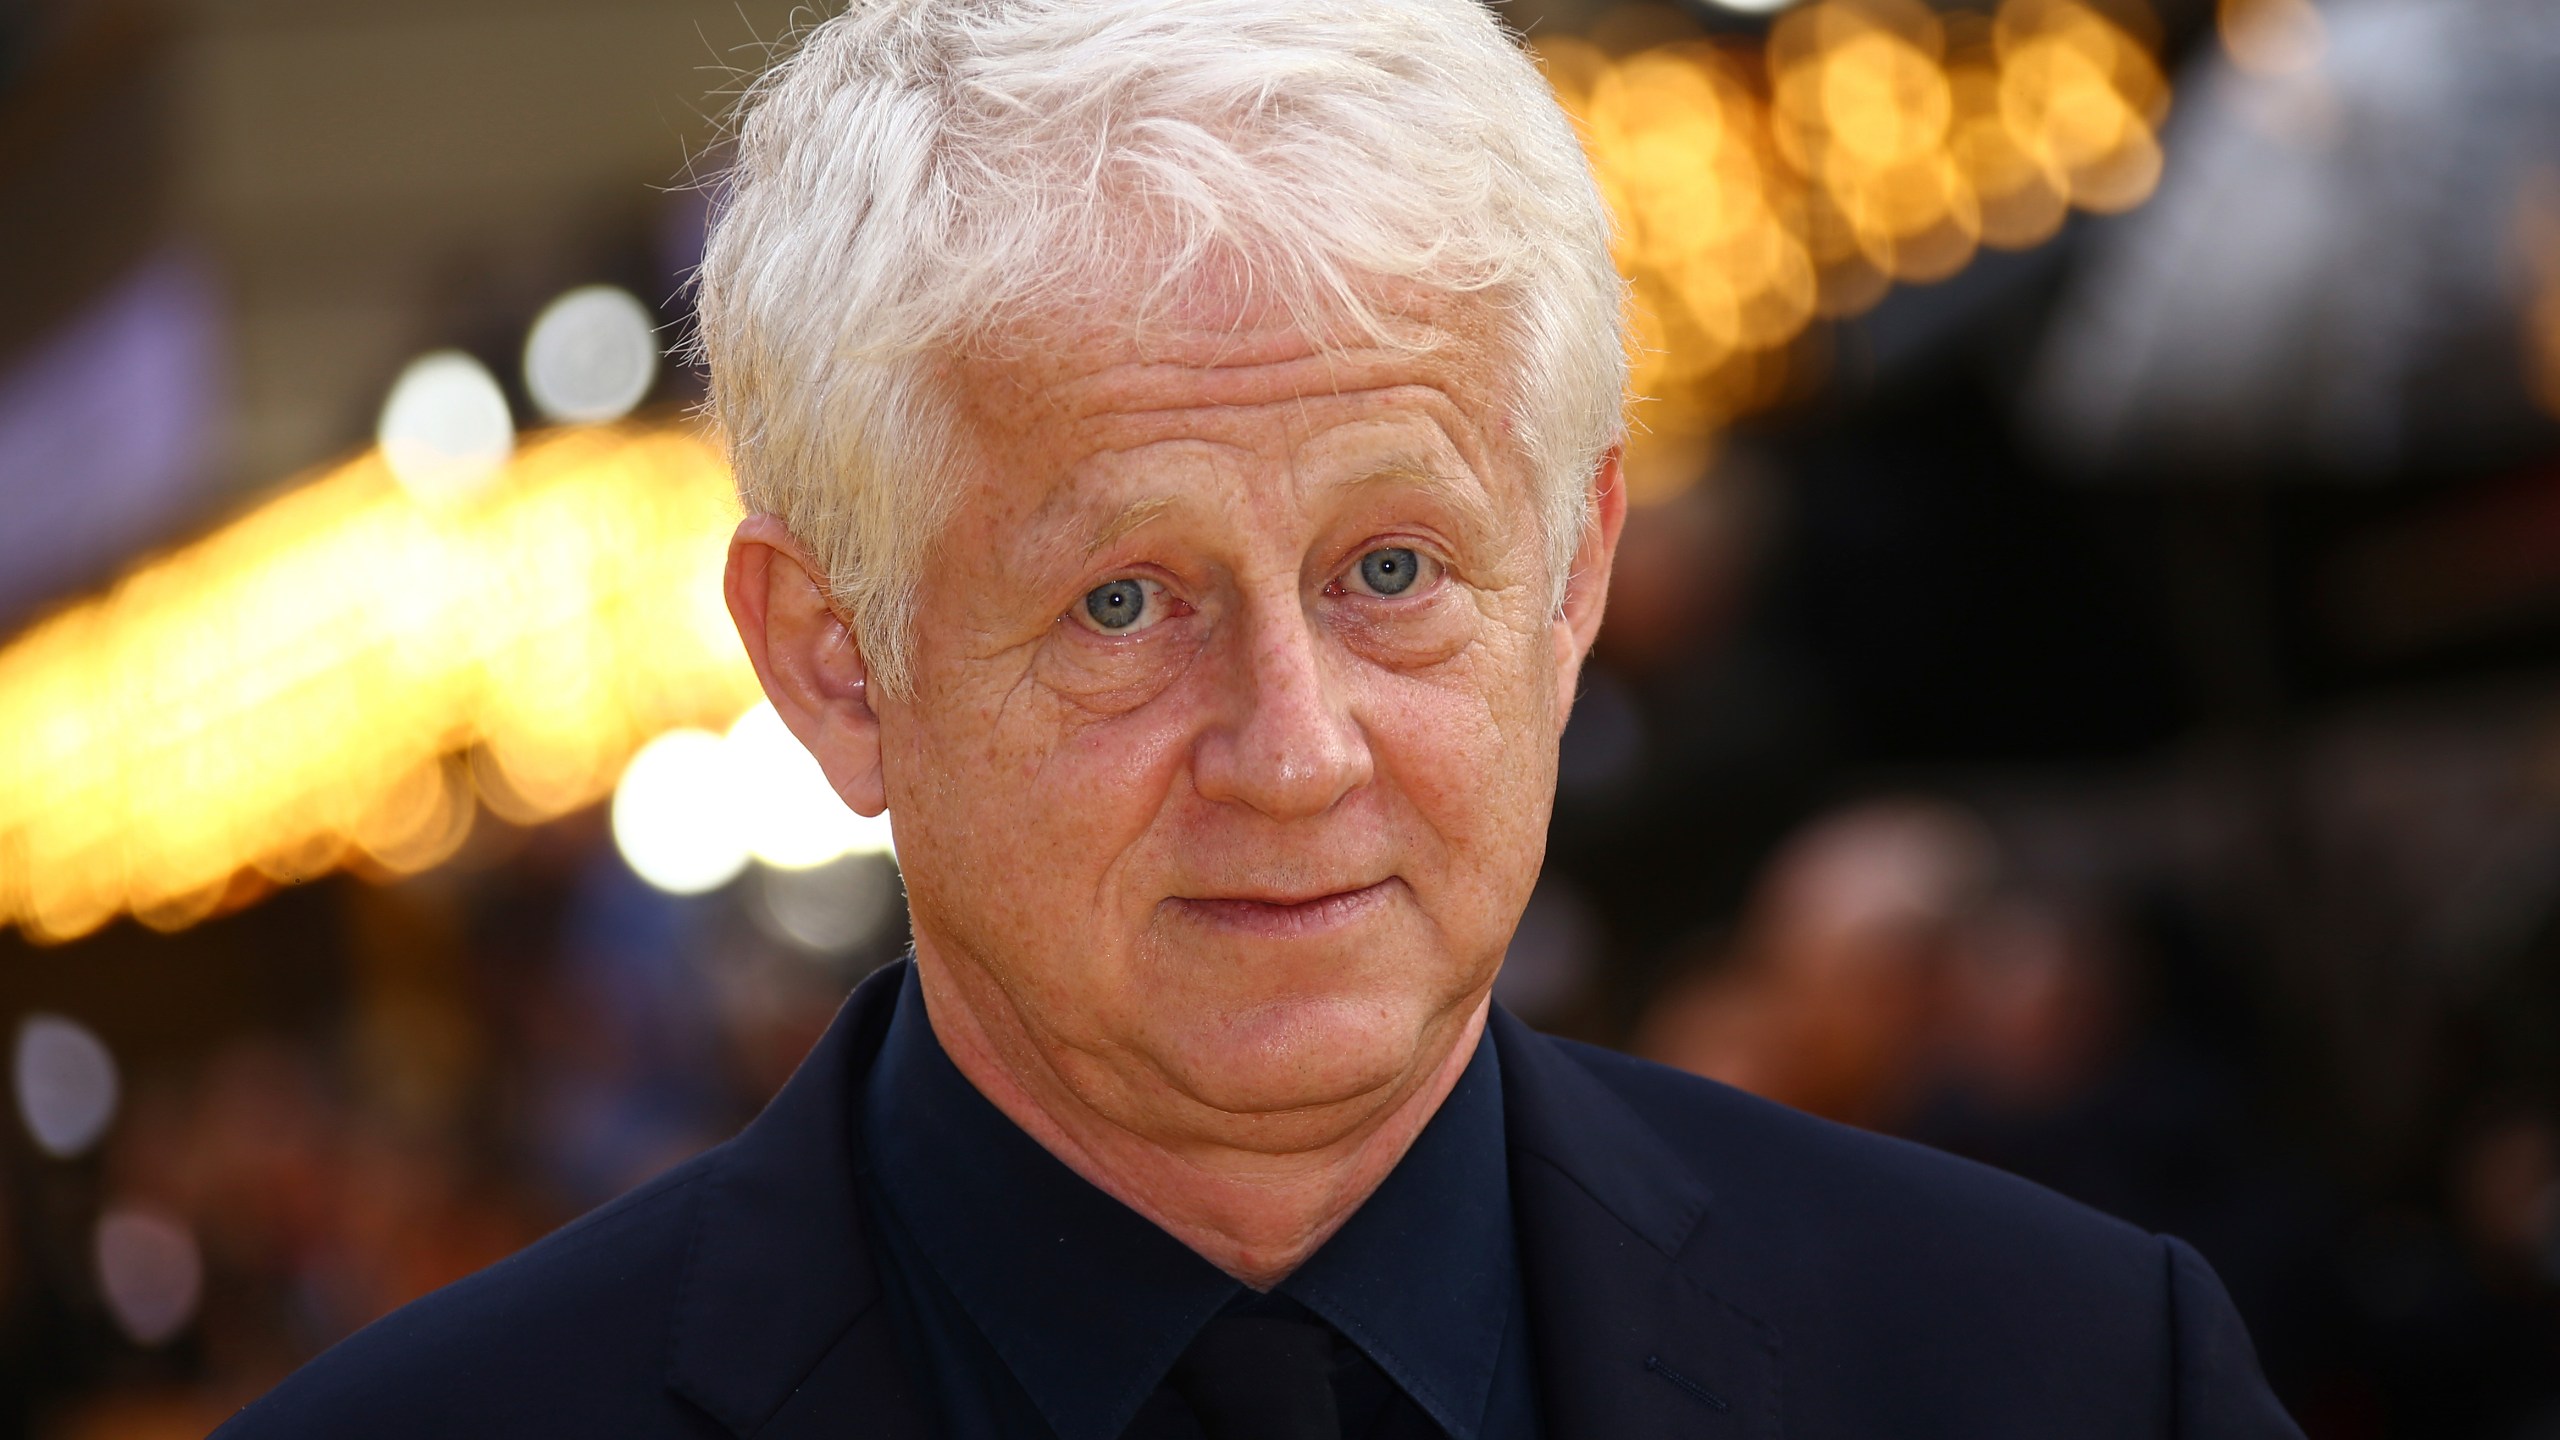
1884	974
505	1048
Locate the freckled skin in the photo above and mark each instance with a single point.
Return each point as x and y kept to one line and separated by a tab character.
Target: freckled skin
1211	905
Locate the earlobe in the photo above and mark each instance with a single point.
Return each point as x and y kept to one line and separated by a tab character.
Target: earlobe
807	658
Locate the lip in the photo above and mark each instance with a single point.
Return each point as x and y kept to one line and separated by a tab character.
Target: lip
1279	918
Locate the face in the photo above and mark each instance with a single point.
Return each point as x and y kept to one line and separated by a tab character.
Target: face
1226	769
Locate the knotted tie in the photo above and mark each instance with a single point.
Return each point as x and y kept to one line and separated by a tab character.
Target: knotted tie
1252	1377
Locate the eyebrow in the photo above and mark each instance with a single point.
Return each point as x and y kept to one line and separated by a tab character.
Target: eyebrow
1467	500
1131	516
1472	505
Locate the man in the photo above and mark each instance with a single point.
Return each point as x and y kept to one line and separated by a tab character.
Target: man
1180	441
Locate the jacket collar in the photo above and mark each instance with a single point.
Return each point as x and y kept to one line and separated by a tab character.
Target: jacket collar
1617	1239
780	1326
781	1330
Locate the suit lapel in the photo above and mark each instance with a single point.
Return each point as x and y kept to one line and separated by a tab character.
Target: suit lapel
1614	1231
860	1391
782	1329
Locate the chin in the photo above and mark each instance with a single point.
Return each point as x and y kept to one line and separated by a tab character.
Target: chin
1307	1059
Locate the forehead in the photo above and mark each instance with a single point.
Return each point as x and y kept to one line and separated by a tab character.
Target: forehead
1218	357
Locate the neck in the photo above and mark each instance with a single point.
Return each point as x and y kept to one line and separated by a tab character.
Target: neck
1253	1211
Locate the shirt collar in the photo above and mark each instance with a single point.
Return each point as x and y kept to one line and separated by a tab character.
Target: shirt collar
1089	1304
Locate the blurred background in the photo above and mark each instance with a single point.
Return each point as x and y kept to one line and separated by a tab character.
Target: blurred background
2082	687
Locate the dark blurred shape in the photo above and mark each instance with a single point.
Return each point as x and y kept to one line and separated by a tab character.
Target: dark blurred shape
2331	278
106	426
111	340
85	153
1554	955
1837	982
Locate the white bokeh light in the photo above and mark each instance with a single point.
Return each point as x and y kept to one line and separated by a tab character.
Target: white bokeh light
1752	7
793	819
149	1272
591	356
829	909
445	429
66	1084
675	814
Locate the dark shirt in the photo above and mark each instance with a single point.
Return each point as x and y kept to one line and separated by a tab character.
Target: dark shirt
1034	1305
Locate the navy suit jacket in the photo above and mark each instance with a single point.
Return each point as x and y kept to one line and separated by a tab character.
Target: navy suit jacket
1699	1263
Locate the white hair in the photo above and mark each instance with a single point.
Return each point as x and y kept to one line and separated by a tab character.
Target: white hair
918	175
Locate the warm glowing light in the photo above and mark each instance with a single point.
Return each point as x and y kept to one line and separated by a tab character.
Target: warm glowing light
445	430
2542	348
591	356
694	807
2538	237
792	818
675	814
1872	143
344	676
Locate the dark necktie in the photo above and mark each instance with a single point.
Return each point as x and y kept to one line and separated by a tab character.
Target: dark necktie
1252	1377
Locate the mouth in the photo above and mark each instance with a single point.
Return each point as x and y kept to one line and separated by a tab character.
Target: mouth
1279	917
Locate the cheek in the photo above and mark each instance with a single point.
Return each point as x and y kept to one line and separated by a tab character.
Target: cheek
1472	750
1031	811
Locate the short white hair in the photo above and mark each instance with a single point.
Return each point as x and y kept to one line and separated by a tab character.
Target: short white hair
918	175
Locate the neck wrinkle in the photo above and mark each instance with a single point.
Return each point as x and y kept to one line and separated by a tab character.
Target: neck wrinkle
1257	1220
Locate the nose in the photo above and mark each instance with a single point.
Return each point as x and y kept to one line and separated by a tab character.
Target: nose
1287	744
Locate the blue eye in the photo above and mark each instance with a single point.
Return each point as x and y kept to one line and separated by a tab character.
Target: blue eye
1390	571
1117	605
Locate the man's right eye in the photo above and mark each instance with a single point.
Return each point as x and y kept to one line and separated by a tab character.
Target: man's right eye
1117	607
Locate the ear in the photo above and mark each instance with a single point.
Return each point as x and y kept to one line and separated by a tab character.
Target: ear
1586	590
807	658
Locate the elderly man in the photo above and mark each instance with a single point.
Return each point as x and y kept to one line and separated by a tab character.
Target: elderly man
1179	438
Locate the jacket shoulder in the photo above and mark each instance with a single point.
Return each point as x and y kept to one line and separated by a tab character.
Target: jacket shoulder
568	1336
1762	1156
1900	1271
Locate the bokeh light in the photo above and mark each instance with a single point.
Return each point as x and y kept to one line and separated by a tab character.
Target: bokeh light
675	816
445	430
591	356
693	808
150	1272
1870	143
344	676
827	909
793	817
66	1084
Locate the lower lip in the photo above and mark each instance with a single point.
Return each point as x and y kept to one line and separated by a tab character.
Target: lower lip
1305	917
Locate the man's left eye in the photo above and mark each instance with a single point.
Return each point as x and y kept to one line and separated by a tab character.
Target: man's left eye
1389	570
